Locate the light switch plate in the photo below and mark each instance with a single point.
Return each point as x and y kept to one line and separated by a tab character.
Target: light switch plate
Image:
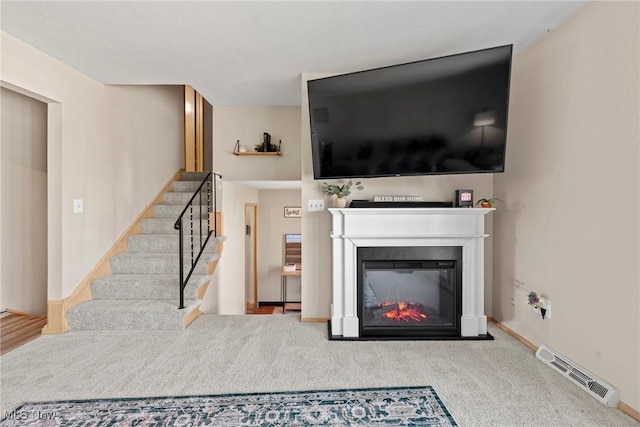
316	205
78	206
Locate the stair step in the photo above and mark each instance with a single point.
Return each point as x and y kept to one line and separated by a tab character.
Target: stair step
142	293
186	186
173	211
129	315
165	225
182	198
145	287
193	176
169	242
157	263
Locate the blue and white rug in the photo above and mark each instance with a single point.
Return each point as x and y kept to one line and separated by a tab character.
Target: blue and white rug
401	406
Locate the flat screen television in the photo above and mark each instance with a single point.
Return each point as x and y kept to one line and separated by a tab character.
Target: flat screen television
445	115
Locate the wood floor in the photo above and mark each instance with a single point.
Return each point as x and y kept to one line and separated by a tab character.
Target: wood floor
271	309
16	330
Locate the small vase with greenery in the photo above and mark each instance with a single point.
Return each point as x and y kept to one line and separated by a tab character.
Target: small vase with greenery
488	203
341	191
270	147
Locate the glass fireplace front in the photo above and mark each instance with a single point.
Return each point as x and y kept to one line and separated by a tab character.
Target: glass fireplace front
406	292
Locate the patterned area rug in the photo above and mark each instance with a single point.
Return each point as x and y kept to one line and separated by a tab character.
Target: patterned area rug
402	406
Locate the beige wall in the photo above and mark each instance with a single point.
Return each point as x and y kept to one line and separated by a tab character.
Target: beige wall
272	226
248	124
226	294
114	147
147	145
316	250
24	203
570	228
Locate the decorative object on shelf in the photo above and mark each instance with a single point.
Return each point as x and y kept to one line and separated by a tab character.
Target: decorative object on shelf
339	202
239	148
292	212
464	198
398	198
488	203
271	148
266	146
358	203
341	191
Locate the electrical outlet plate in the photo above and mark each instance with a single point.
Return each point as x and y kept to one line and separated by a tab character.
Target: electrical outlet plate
78	206
316	205
547	306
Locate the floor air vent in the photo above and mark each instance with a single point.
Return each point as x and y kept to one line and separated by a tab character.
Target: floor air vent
605	393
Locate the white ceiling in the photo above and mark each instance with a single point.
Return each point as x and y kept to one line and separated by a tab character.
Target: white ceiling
253	52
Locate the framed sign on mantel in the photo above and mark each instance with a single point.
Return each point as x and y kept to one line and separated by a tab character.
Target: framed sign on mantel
292	211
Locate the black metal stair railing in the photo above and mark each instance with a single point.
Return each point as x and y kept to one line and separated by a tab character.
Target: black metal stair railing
196	234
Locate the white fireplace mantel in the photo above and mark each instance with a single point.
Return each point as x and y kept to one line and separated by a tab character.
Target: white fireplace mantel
385	227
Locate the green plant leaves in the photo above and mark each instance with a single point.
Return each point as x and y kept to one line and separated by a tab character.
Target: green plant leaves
341	190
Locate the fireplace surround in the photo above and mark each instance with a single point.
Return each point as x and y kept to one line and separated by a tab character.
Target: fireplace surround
356	231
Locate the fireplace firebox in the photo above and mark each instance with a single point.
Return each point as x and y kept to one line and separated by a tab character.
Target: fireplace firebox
409	292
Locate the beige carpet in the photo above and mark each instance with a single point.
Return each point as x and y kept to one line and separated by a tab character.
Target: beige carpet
483	383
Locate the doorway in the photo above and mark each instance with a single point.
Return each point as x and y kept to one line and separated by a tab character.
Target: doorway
23	195
251	256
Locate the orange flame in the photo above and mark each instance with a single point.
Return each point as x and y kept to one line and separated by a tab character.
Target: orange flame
404	311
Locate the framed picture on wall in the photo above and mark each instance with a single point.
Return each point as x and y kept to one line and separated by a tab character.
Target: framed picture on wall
292	211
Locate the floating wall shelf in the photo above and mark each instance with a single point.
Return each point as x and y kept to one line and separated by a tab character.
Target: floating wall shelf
237	152
257	153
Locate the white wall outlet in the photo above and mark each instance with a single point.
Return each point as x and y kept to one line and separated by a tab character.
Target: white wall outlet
547	306
78	206
316	205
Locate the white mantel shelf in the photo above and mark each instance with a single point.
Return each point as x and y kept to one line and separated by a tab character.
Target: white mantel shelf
412	211
388	227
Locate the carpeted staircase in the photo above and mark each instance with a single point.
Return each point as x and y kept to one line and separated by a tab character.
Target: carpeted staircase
142	291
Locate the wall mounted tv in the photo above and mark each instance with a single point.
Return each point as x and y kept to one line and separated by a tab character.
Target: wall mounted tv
445	115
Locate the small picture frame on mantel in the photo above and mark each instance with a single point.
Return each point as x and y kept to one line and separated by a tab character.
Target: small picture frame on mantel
292	211
464	198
